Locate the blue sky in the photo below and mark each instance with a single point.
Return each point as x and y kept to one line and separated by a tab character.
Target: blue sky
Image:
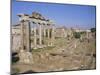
68	15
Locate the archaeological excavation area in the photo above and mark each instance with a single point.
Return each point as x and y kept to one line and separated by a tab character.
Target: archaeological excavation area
39	45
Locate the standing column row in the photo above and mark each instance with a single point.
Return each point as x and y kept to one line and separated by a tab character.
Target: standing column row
50	34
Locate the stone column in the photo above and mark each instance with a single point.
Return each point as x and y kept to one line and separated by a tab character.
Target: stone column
44	34
35	38
27	36
53	35
44	31
22	35
48	34
40	34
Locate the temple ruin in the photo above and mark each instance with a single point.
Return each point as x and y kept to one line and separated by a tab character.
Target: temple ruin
36	31
38	45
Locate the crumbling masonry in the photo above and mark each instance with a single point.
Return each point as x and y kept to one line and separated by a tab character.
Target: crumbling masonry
37	29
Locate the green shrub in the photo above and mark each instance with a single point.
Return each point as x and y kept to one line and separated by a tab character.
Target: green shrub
77	35
93	29
83	32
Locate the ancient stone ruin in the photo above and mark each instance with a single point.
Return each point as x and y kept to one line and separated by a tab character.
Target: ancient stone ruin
35	32
39	28
43	47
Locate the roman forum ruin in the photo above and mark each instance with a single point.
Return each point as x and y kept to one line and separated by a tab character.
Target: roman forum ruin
38	44
34	31
41	30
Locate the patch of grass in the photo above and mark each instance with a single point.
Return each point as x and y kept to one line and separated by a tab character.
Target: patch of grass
60	42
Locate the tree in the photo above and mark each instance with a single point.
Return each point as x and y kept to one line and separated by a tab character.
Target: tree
77	35
93	30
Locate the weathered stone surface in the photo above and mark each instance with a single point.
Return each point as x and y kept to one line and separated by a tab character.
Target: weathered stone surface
16	43
68	53
25	57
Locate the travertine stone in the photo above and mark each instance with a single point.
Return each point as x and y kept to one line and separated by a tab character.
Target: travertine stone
35	38
44	31
39	39
27	35
48	34
25	57
40	34
53	36
22	35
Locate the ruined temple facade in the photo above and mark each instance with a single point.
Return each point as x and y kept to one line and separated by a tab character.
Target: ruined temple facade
35	31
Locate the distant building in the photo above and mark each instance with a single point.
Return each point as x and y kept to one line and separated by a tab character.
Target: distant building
60	32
